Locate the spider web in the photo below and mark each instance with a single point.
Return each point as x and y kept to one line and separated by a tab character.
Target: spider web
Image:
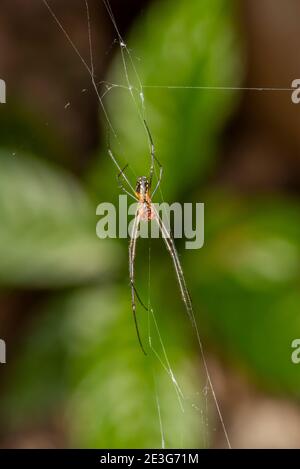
163	359
136	90
159	351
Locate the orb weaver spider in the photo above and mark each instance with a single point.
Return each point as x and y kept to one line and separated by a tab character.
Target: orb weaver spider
146	211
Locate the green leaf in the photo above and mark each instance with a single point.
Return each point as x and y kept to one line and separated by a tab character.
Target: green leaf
83	355
35	386
115	387
48	227
247	285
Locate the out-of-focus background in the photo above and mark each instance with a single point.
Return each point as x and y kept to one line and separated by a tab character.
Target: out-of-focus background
75	376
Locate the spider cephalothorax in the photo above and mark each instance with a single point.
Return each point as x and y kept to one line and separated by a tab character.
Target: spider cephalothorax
142	187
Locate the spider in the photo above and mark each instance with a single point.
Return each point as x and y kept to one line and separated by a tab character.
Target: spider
146	211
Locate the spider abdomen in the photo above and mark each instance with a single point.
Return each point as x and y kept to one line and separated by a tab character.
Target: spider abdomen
146	211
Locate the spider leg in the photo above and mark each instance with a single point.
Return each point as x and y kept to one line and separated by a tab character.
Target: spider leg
139	298
154	160
132	250
121	171
121	186
170	244
159	177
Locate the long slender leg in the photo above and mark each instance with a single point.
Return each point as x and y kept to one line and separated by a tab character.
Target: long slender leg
122	174
153	161
170	244
132	250
169	241
159	177
114	160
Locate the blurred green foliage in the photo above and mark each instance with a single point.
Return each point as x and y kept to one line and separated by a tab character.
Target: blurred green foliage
248	285
47	236
80	352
